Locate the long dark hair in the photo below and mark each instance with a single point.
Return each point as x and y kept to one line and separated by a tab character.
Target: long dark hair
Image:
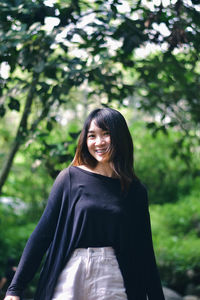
121	148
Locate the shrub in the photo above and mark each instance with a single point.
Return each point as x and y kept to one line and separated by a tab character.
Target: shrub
176	232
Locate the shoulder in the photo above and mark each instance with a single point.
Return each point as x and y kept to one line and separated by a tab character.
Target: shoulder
67	174
62	175
138	187
61	179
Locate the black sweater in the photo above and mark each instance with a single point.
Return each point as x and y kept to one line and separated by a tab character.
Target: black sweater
86	209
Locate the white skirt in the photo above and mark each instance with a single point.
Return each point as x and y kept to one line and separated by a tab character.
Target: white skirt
91	274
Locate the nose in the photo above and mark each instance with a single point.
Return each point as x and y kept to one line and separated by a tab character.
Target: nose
99	140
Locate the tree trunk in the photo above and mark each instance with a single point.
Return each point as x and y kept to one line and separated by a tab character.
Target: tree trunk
20	135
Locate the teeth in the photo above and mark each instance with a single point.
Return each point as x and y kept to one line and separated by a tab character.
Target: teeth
100	151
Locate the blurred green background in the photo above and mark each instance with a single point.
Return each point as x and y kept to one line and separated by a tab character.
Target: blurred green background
59	60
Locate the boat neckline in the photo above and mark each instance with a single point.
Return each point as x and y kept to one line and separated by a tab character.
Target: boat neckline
95	174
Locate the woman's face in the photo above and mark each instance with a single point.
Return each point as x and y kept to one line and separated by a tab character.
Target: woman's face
98	142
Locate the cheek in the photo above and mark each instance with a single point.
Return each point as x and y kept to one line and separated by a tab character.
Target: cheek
89	144
108	140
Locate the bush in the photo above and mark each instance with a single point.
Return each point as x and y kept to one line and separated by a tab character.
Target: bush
166	177
176	232
14	234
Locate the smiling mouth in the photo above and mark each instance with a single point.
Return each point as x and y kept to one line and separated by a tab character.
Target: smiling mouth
101	151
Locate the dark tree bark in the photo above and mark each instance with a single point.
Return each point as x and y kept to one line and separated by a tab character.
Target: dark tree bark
20	135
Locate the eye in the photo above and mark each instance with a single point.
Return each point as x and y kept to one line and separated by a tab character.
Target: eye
106	133
91	135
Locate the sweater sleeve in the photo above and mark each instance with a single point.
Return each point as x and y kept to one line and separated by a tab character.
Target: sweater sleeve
40	239
151	274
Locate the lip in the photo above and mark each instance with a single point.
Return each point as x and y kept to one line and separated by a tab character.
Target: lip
101	151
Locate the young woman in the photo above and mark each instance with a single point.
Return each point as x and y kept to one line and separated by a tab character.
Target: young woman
96	225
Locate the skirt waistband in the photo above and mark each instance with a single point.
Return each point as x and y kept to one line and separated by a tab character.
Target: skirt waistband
94	251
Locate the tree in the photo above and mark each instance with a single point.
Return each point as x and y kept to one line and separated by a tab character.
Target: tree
43	69
95	44
168	78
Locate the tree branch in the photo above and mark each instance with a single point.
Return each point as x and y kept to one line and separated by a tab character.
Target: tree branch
20	135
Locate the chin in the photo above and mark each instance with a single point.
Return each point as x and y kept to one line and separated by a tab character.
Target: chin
102	160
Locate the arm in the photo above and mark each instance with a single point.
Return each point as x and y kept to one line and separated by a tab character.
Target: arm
39	241
152	278
2	282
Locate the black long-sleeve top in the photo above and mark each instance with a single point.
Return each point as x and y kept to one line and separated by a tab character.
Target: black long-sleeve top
86	209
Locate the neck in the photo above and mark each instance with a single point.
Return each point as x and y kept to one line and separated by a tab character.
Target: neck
104	169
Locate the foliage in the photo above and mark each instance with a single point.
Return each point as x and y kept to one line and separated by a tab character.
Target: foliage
43	67
55	150
14	233
15	227
37	164
94	46
166	176
176	232
93	53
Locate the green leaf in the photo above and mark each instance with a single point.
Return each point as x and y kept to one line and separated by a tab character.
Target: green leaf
2	110
14	104
49	126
